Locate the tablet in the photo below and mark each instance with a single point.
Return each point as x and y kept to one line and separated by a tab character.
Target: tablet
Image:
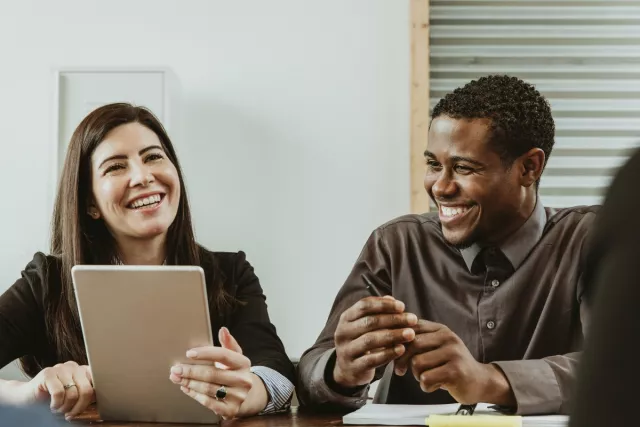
137	322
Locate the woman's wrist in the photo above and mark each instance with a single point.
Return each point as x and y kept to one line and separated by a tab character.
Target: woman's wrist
13	392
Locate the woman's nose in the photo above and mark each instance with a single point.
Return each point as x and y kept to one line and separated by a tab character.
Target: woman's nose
141	175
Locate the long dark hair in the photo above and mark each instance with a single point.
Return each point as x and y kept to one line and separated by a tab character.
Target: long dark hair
78	239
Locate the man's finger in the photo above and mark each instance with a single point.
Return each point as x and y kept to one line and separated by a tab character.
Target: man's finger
430	360
426	326
387	338
374	322
379	358
434	379
229	358
422	343
372	305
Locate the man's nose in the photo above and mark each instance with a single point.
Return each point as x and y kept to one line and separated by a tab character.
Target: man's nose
444	186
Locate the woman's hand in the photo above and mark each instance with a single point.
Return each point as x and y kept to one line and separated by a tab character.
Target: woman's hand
68	385
225	385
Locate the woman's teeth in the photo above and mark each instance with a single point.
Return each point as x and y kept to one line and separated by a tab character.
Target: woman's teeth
147	201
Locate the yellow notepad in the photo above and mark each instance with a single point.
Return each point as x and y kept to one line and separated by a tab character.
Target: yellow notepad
474	421
439	415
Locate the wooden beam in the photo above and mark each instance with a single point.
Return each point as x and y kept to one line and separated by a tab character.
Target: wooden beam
419	102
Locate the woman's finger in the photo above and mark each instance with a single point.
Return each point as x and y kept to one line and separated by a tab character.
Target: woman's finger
53	386
210	374
230	359
85	394
236	394
89	374
70	388
228	341
227	408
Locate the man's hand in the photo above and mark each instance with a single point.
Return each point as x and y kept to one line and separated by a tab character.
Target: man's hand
438	358
370	333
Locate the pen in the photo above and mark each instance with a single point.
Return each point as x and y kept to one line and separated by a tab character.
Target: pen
370	287
466	409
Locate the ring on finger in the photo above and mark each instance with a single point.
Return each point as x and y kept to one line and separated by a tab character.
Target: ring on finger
68	386
221	393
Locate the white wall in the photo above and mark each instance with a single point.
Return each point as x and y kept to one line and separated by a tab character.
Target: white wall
295	127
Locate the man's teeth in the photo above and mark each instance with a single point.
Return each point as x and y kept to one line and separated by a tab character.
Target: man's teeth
446	211
146	201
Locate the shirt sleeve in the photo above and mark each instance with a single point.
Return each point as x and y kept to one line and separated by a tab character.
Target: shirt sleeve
545	386
251	327
541	386
319	389
22	326
279	389
315	370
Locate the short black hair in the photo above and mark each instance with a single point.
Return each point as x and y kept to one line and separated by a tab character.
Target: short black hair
520	116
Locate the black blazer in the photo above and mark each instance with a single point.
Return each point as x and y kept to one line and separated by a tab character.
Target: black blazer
609	374
23	331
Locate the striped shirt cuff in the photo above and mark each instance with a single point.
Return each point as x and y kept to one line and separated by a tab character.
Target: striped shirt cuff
279	389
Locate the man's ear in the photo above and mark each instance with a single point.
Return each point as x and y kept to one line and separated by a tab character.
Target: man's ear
532	164
93	211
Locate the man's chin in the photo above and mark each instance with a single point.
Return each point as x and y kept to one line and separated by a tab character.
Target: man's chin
458	240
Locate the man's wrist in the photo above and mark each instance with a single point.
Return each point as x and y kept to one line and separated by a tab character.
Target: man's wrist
497	388
331	380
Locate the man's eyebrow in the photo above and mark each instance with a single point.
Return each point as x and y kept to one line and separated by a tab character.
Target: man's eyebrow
454	159
467	160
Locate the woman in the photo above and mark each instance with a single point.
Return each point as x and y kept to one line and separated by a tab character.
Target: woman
608	379
122	200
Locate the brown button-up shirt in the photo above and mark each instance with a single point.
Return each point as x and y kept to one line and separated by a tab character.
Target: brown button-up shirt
530	322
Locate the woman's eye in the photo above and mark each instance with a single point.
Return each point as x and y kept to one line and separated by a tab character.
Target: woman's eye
155	156
114	167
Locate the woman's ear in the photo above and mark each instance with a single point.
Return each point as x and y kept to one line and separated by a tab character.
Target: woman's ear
532	166
93	212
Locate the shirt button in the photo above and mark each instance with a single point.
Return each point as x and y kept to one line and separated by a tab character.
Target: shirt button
491	324
495	283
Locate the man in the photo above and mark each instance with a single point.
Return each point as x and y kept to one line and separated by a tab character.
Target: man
484	298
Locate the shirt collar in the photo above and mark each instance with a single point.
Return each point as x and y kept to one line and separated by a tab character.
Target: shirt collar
517	246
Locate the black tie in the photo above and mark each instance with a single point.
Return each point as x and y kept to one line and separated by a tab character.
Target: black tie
495	265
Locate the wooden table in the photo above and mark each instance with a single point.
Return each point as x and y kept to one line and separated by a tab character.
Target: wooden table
295	418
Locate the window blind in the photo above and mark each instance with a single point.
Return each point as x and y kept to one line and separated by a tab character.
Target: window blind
582	55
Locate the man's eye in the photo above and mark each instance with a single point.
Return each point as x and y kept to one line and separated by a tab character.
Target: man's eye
463	169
